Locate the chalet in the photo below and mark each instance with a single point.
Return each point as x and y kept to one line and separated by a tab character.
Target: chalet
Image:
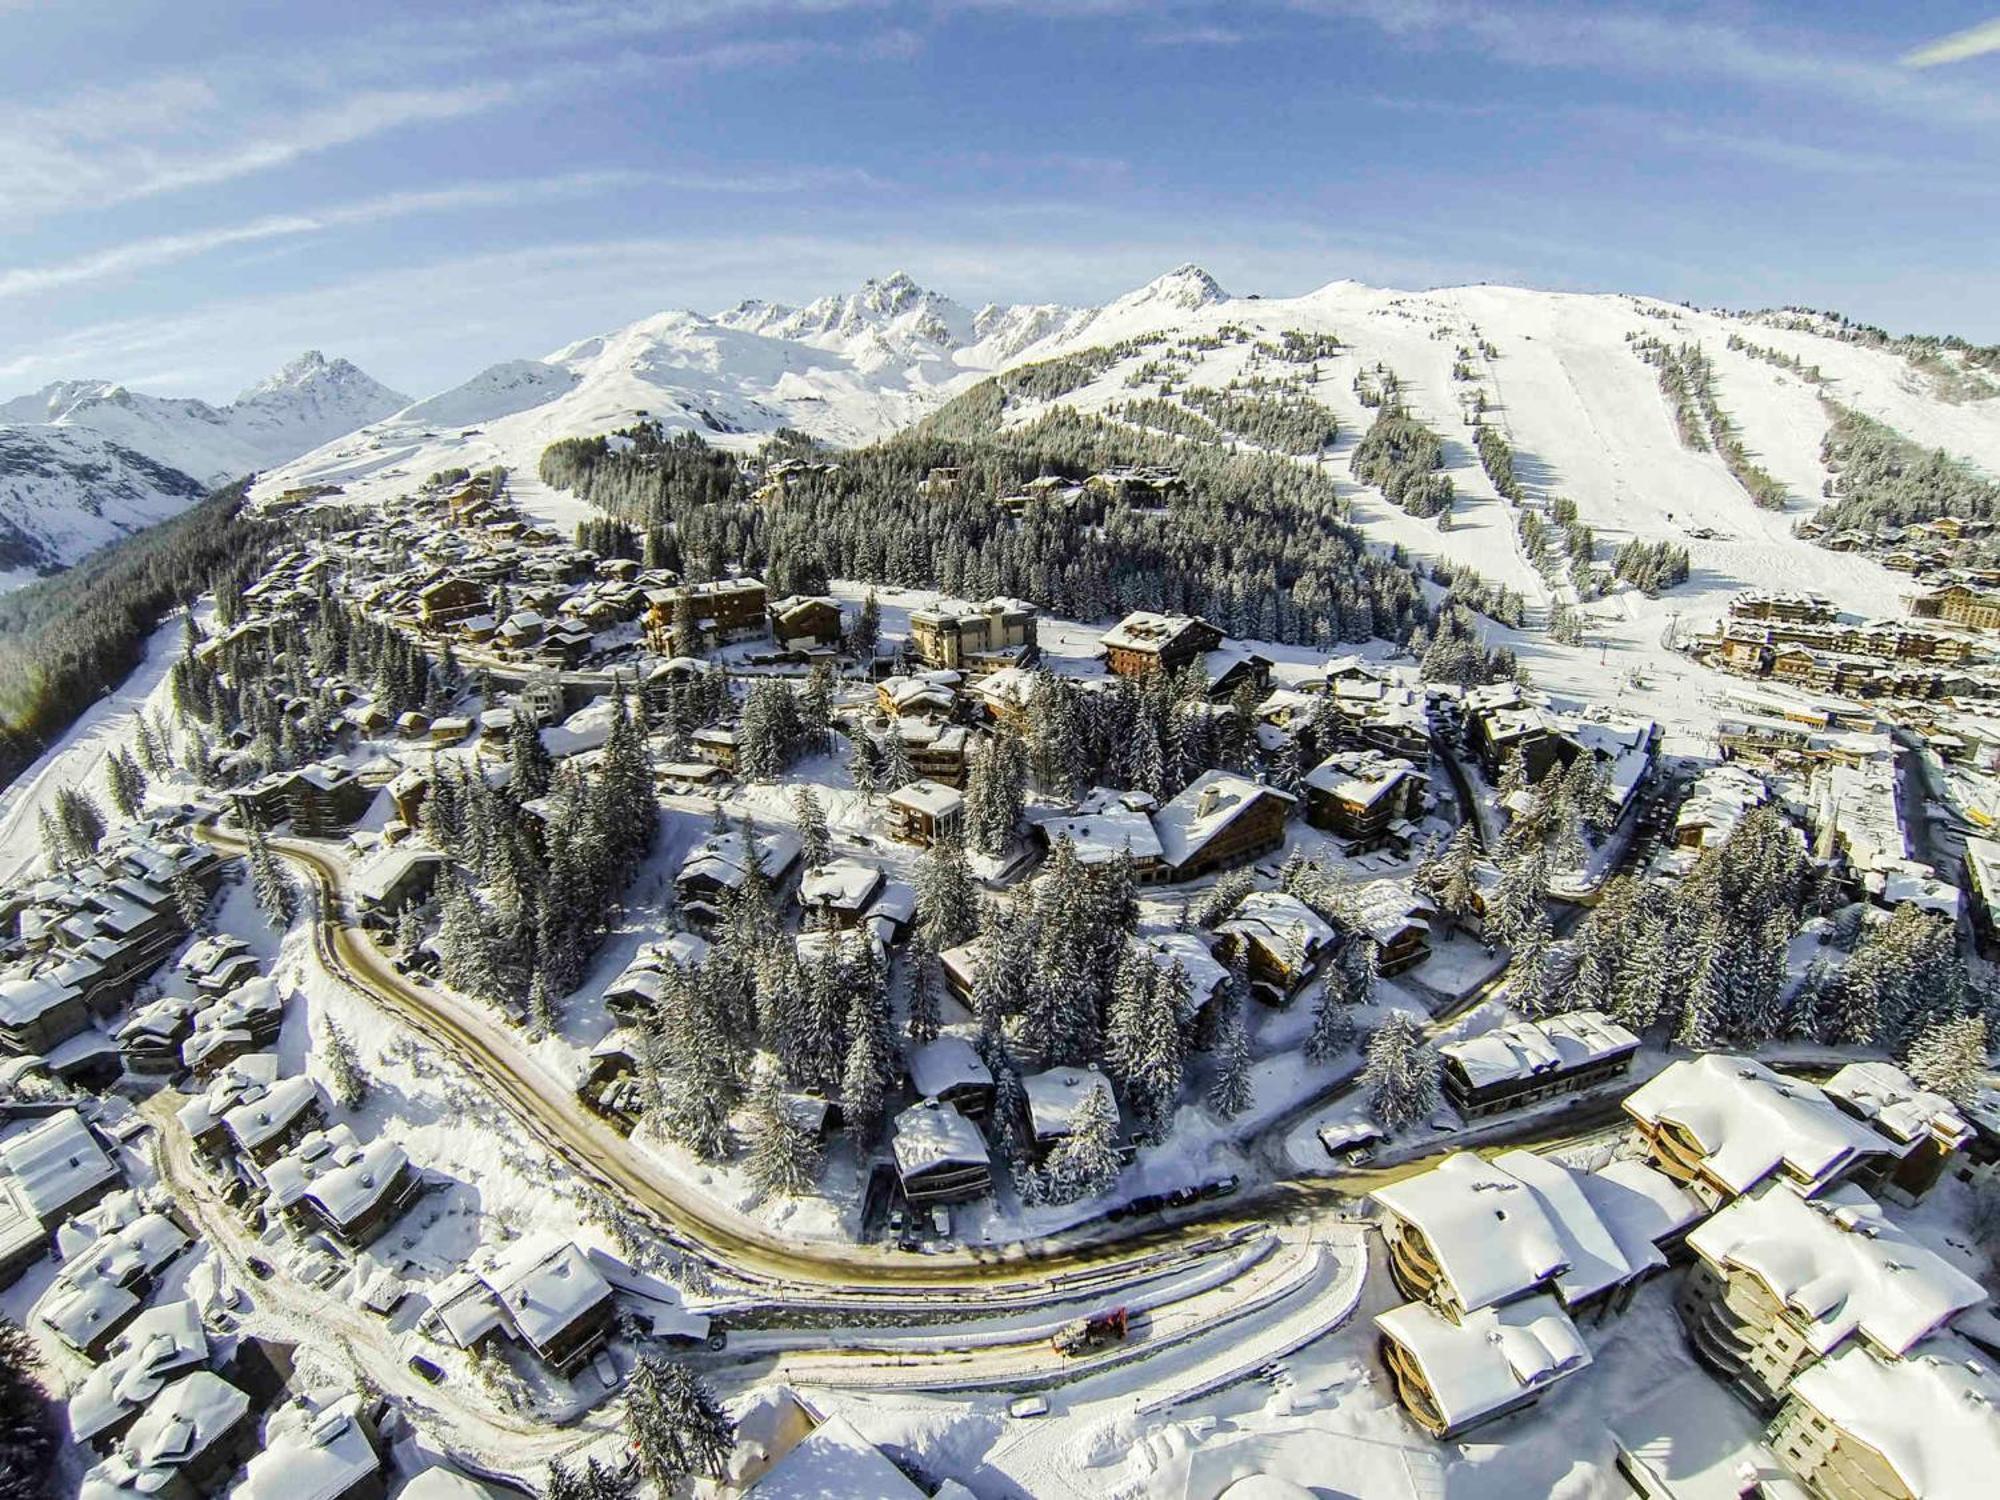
717	745
937	752
726	609
839	893
1054	1099
924	812
1396	921
186	1443
1497	1258
1782	1281
202	1116
329	1454
266	1119
973	638
950	1070
1856	1426
940	1155
1218	821
1959	604
1926	1129
803	621
38	1012
1140	486
933	694
322	798
1205	974
449	730
1283	942
1146	642
150	1038
334	1183
392	877
1797	607
719	865
154	1349
1003	696
56	1168
104	1283
1230	670
1529	1062
1107	827
552	1300
1722	1125
1719	799
1364	797
448	601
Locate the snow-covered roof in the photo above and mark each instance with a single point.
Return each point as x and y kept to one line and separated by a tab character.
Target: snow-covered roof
843	884
1101	837
1282	923
154	1347
352	1188
439	1483
1522	1049
1934	1416
315	1457
1721	795
1143	630
25	1000
183	1422
1884	1095
1749	1121
1203	809
262	1114
320	1151
1494	1357
949	1062
934	1133
1362	777
1387	908
546	1291
378	873
1839	1265
932	798
55	1163
1692	1439
1204	971
1608	1227
834	1459
1492	1236
1055	1096
721	858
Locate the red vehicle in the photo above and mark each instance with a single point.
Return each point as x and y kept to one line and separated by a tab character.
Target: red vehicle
1087	1334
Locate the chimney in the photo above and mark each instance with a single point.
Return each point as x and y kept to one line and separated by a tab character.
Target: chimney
1211	798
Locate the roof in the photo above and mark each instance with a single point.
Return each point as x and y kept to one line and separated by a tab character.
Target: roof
1493	1237
1205	807
545	1292
1102	836
1839	1265
1692	1438
1884	1095
1143	630
1204	971
934	1133
721	857
947	1063
1055	1096
1525	1048
1359	776
351	1189
23	1001
439	1483
183	1421
834	1459
1496	1356
262	1114
316	1457
1749	1121
155	1346
845	884
1282	923
1608	1225
1931	1415
55	1163
932	798
376	877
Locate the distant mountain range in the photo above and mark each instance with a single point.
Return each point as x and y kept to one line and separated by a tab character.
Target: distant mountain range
83	462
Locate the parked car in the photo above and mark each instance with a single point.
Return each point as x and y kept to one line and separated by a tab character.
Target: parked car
426	1370
1220	1187
1148	1203
941	1221
1028	1406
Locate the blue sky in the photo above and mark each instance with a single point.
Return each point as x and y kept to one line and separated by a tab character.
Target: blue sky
192	194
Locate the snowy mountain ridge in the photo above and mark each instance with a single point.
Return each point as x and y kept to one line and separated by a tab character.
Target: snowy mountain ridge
85	461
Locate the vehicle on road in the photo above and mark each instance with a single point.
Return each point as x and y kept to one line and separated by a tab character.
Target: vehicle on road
426	1370
1028	1406
1221	1187
1085	1335
941	1221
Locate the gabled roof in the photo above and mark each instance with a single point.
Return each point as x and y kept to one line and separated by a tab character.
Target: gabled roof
1494	1357
1934	1416
1492	1236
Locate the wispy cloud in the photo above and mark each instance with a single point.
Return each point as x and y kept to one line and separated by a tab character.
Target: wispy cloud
1960	46
165	134
1195	36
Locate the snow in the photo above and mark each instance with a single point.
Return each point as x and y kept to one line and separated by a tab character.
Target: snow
1495	1356
1930	1415
54	1163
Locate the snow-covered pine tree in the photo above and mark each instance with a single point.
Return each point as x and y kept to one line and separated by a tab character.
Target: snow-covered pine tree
541	1009
1520	895
815	842
1402	1072
1003	977
677	1426
190	900
947	895
897	772
1949	1058
920	967
1229	1092
529	758
784	1156
275	894
1333	1023
344	1078
1085	1162
863	767
1528	968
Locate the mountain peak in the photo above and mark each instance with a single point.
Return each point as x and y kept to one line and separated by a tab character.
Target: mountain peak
1186	286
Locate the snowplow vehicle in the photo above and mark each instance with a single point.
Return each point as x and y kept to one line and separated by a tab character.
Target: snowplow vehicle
1087	1334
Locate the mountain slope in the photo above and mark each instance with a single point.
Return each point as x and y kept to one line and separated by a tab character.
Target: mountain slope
84	461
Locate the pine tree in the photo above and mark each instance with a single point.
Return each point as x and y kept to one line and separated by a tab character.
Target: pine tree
865	1078
677	1425
1520	895
784	1155
1949	1058
1086	1161
563	1483
276	896
947	895
1229	1093
465	947
528	756
897	772
815	842
1402	1073
190	900
30	1435
922	1011
541	1009
409	932
862	766
344	1078
1333	1023
1528	971
995	789
684	632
